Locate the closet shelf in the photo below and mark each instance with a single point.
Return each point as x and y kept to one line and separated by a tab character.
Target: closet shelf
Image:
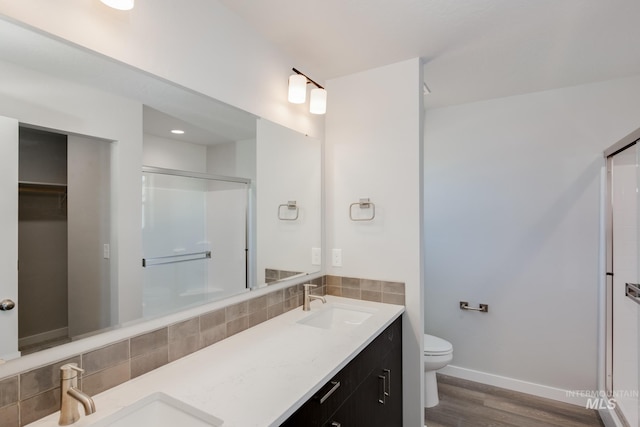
41	187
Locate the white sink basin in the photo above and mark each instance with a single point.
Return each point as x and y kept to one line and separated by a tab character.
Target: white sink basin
338	316
159	410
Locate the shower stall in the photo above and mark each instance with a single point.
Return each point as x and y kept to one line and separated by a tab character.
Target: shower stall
622	290
194	237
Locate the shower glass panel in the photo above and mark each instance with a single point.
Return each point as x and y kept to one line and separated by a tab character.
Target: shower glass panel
194	237
623	334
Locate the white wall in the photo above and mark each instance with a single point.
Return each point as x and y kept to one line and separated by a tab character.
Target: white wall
512	191
289	168
171	154
199	44
373	149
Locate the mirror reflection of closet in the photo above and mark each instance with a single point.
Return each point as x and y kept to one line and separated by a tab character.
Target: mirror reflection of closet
63	237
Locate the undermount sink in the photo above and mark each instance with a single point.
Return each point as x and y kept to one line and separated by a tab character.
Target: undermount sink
338	316
159	410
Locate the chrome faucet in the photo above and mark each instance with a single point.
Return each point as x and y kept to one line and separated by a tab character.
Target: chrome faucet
71	395
307	297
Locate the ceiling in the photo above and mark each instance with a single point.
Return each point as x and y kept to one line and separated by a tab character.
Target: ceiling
472	49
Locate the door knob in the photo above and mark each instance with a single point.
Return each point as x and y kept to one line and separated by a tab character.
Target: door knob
7	304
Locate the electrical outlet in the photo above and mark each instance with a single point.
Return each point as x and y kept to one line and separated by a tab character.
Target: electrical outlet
316	256
106	250
336	258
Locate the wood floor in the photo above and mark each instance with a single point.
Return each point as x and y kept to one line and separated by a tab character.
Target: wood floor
469	404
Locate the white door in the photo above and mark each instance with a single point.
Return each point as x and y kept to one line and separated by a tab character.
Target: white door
8	238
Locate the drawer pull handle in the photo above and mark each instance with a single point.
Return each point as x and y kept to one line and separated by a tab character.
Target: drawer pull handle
387	374
382	392
336	385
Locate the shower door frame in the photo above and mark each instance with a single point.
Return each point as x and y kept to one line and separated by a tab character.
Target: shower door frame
249	250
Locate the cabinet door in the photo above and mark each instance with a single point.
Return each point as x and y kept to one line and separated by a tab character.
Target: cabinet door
377	402
391	413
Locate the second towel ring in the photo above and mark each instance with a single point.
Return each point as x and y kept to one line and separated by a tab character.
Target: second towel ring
364	203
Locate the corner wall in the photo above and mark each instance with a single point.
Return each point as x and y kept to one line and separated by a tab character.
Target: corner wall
373	149
512	215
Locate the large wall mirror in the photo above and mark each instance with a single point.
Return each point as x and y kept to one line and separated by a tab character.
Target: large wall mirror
112	218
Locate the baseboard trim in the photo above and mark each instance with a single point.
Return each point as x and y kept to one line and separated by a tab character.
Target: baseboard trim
42	337
515	385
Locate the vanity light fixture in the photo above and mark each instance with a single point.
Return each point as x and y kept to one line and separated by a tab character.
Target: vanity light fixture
119	4
177	131
298	93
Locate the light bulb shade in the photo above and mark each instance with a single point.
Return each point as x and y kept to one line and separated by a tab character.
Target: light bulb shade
297	89
318	101
119	4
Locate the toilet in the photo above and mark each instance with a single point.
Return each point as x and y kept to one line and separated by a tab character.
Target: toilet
438	353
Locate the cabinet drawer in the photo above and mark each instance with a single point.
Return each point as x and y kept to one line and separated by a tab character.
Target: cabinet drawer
322	404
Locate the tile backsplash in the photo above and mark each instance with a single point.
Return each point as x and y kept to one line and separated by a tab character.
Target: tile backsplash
34	394
272	275
365	289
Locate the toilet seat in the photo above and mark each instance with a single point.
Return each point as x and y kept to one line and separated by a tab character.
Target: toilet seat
434	346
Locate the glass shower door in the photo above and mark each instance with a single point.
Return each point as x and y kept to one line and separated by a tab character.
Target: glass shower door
624	306
194	239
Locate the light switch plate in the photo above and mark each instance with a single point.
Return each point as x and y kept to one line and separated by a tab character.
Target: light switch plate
316	256
336	258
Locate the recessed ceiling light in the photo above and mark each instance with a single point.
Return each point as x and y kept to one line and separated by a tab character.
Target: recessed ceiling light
177	131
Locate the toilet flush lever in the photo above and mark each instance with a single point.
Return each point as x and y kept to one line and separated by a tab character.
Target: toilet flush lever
484	308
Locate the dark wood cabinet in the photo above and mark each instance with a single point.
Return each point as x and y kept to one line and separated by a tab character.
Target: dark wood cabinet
366	392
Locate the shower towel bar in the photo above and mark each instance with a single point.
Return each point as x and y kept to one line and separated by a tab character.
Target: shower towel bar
363	204
290	205
632	290
484	308
171	259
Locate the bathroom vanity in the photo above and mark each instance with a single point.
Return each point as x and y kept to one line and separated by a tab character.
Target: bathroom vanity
278	372
366	392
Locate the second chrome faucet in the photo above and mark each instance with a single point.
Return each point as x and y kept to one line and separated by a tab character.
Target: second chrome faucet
308	297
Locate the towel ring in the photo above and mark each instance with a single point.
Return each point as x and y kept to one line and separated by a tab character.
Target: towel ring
290	205
363	204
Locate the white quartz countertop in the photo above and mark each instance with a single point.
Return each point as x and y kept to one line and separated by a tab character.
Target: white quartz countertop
257	377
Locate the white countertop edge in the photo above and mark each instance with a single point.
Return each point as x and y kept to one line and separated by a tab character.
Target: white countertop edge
258	377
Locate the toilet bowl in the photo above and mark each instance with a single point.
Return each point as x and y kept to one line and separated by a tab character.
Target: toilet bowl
438	353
